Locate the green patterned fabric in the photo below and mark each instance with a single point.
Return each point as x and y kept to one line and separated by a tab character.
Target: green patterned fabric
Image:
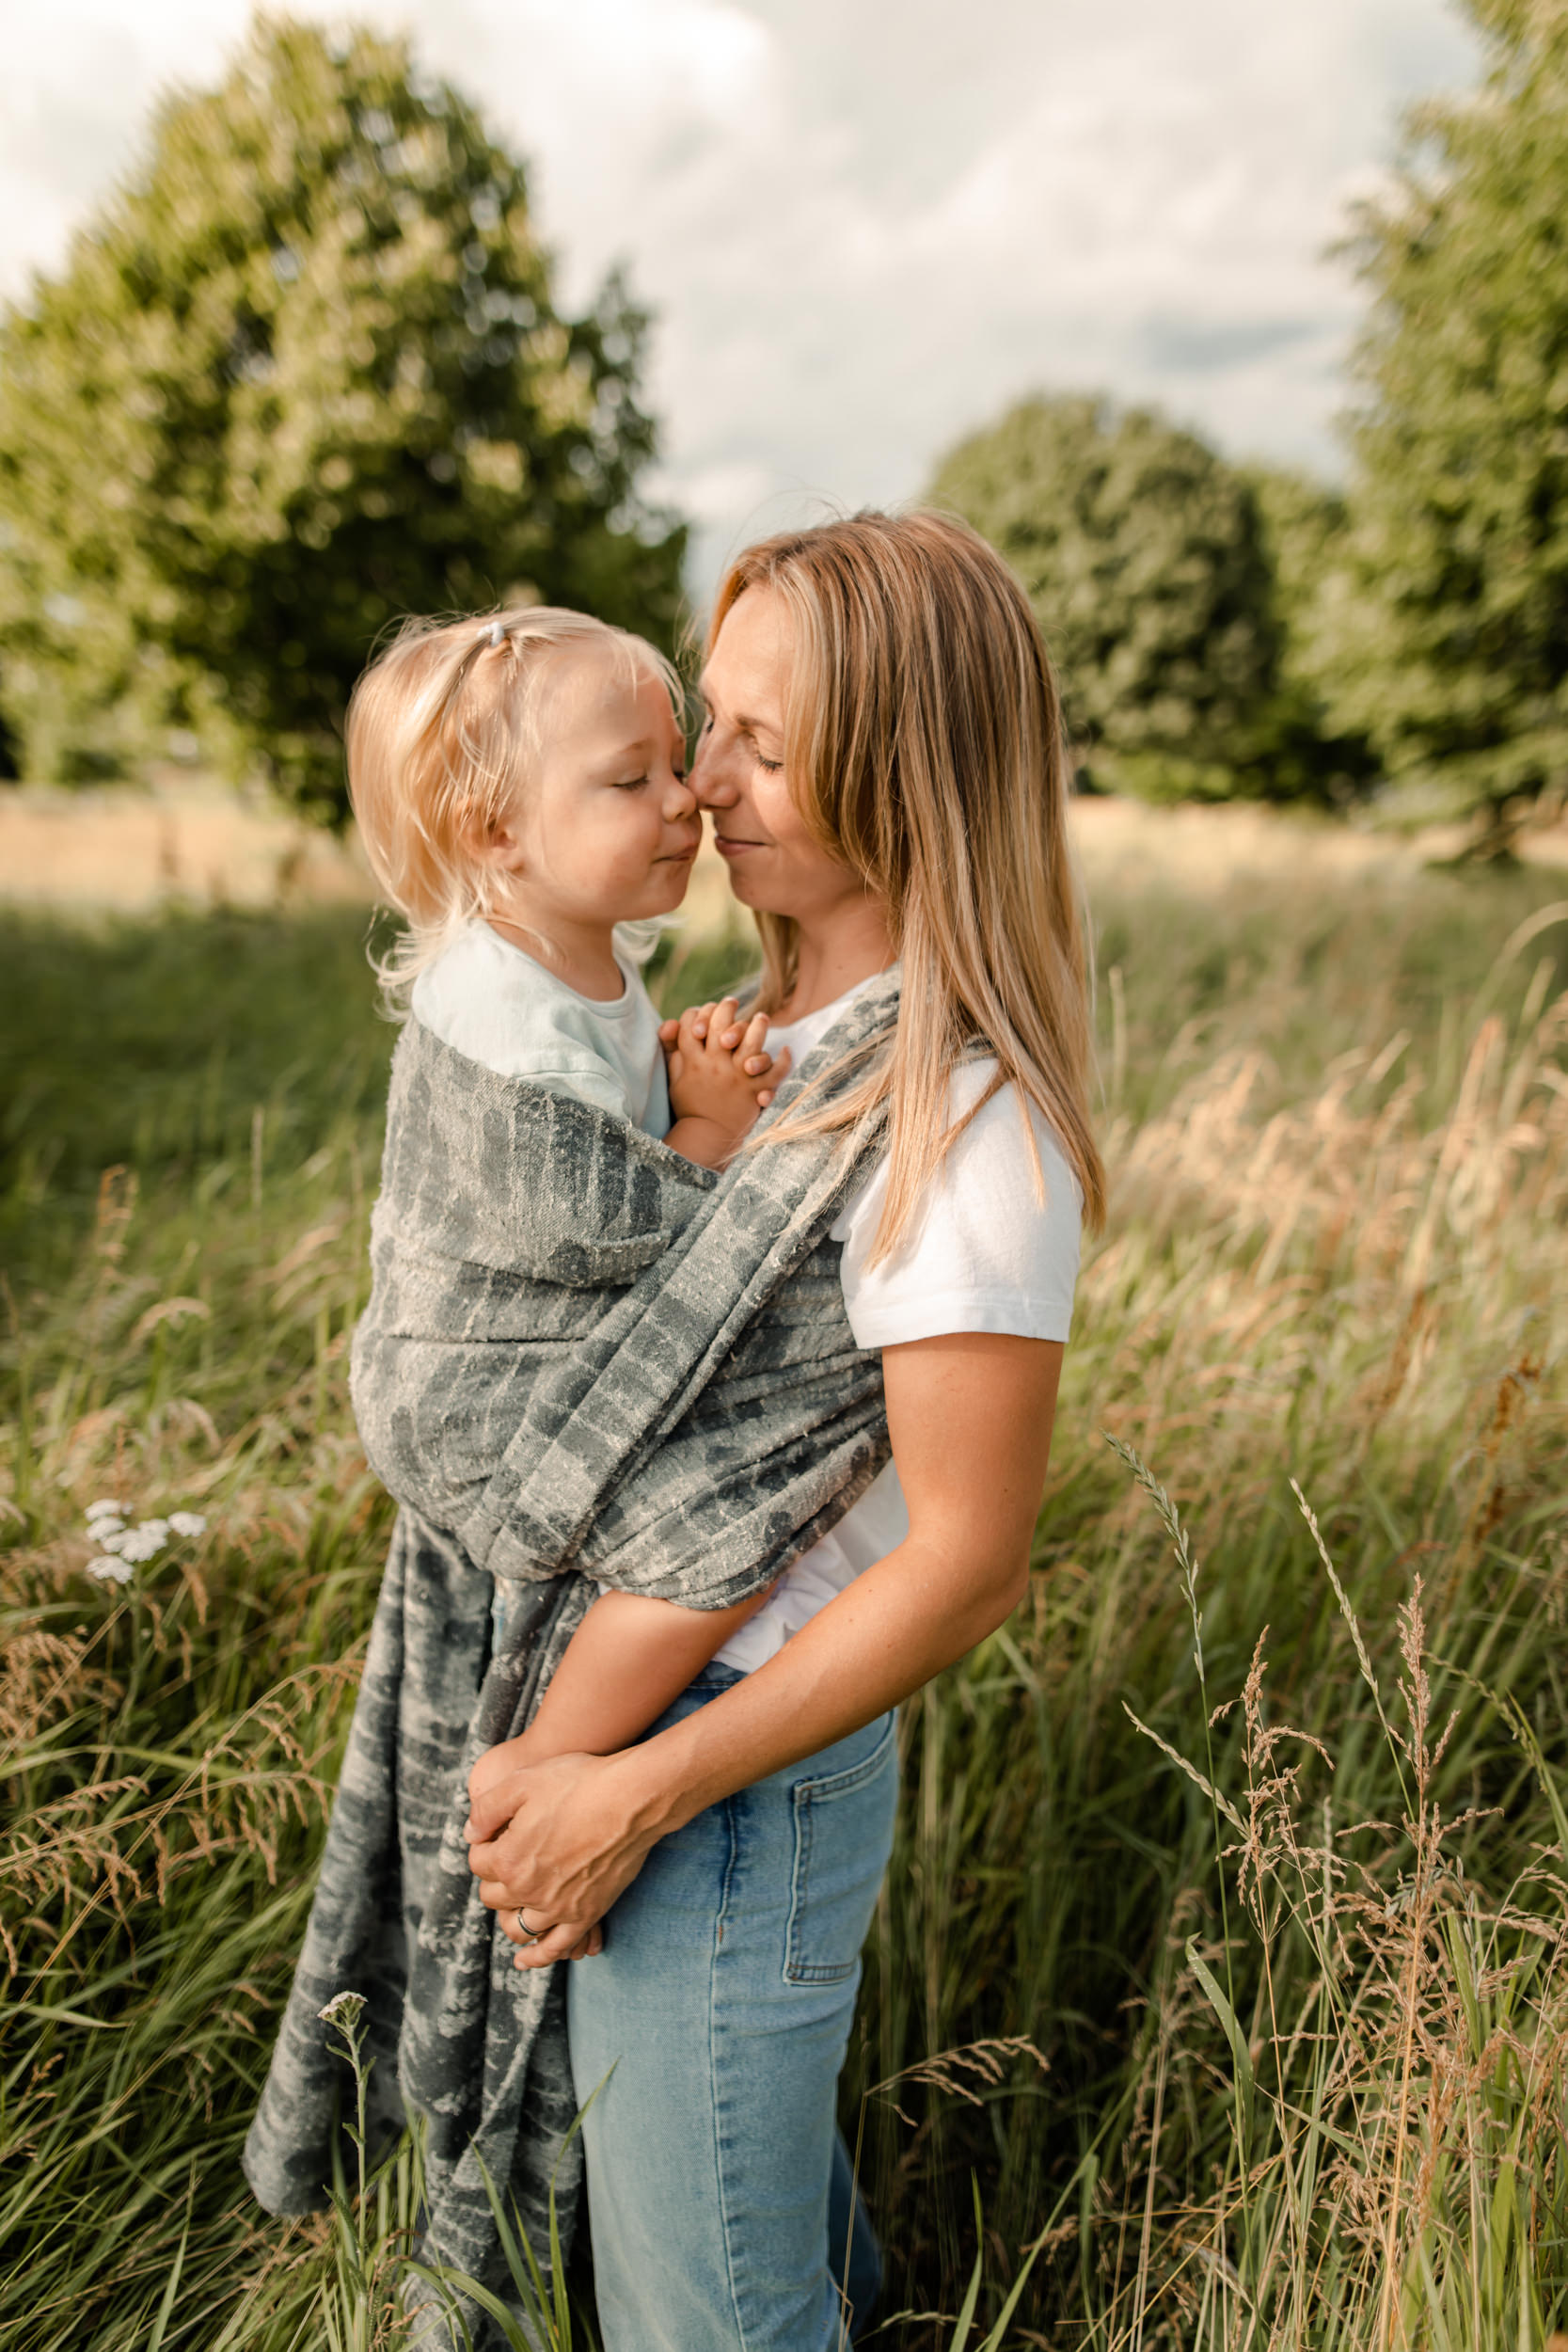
584	1361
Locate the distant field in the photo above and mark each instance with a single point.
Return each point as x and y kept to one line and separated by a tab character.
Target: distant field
194	843
1309	2091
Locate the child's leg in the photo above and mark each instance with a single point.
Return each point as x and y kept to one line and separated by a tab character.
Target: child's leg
628	1659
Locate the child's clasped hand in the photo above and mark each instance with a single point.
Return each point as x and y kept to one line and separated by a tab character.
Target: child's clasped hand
721	1072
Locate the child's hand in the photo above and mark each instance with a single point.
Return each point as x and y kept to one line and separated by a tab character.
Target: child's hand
735	1038
715	1062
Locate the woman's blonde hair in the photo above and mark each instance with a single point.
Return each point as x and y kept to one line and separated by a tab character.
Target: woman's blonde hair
924	746
442	730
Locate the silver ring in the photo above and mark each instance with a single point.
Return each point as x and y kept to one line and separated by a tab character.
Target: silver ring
526	1934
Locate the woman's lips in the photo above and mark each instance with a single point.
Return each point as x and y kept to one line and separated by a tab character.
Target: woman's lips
726	847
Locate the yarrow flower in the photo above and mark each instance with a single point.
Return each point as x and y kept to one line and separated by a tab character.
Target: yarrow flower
124	1546
143	1542
344	2011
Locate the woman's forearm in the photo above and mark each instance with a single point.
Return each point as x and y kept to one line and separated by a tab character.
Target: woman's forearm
627	1660
901	1622
970	1417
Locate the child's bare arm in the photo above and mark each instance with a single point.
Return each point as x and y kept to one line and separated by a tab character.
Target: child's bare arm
716	1090
628	1659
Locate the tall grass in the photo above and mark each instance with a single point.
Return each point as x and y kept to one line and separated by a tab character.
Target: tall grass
1299	1998
1362	1287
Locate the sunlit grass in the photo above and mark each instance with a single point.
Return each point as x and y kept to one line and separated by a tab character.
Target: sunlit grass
1336	1255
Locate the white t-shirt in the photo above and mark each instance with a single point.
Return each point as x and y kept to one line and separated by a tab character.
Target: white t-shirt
489	1000
986	1254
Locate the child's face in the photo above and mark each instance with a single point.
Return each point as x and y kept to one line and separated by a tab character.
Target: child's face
608	828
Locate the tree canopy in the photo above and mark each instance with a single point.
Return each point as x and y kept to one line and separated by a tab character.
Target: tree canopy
304	373
1142	555
1308	745
1452	654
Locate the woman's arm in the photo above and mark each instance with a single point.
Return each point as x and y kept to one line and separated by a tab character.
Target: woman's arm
970	1417
628	1659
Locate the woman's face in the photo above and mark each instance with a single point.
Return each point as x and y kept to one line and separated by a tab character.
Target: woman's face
776	864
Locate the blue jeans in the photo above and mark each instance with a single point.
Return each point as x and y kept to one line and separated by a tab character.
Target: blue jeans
718	2190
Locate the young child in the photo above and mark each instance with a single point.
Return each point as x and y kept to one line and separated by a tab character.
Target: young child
519	785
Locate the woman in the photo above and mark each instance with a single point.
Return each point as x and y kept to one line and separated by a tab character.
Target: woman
883	760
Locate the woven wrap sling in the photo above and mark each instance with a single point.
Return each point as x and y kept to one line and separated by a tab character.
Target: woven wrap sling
584	1361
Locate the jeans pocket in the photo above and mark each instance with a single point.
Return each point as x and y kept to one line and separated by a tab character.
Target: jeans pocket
843	1832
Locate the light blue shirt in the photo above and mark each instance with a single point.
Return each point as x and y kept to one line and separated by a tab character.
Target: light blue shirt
505	1009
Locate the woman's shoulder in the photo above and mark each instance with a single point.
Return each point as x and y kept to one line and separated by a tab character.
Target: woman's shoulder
1004	1139
995	1239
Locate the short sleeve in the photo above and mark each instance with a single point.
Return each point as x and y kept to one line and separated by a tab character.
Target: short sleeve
988	1252
490	1002
586	1077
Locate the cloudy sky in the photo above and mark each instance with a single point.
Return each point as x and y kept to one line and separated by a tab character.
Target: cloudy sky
866	225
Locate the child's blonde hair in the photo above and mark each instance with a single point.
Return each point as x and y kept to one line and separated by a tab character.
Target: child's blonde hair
442	730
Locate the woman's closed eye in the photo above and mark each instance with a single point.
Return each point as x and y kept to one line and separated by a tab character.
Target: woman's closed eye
769	766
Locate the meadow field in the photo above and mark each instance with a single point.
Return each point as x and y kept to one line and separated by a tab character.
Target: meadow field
1219	1993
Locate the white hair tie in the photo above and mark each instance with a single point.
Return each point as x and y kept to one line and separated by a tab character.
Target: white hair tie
497	635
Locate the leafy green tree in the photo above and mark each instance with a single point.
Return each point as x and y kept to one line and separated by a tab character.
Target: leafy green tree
1304	745
1143	556
303	374
1453	653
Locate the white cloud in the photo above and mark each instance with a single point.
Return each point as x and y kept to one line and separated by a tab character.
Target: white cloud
713	495
864	229
78	83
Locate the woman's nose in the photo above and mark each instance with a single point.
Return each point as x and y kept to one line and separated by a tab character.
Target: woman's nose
707	778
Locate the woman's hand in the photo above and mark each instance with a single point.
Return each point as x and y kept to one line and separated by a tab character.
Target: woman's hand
504	1761
531	1935
558	1842
508	1761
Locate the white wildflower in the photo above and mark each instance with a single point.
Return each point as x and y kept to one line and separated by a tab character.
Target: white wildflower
109	1534
103	1509
344	2011
108	1568
187	1523
144	1542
